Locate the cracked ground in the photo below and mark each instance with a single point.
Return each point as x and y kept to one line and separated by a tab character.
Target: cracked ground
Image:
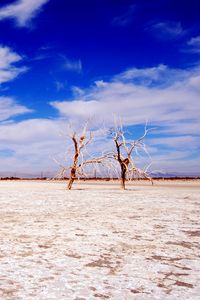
98	242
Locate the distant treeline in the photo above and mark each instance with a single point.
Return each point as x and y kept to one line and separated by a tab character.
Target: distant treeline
102	178
18	178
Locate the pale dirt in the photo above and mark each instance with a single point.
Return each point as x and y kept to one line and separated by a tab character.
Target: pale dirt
98	242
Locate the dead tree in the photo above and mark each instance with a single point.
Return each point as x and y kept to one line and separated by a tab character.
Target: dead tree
79	152
124	155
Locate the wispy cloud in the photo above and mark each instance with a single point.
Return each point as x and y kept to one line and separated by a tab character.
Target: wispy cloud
10	108
124	19
161	75
166	30
59	85
22	11
72	65
194	44
8	59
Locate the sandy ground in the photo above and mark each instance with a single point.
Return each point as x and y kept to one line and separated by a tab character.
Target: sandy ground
98	242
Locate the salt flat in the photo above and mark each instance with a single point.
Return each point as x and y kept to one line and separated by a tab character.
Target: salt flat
98	242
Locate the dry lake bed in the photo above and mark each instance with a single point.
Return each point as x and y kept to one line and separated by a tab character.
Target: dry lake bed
99	242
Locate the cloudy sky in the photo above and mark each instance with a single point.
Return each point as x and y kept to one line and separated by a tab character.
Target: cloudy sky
64	61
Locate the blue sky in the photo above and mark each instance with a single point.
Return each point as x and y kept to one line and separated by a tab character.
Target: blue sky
64	61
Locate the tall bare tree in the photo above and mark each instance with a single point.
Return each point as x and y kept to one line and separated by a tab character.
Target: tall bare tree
124	154
76	168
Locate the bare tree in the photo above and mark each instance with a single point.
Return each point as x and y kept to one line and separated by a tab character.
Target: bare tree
76	168
124	154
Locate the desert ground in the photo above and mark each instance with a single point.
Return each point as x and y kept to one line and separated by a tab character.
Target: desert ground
99	242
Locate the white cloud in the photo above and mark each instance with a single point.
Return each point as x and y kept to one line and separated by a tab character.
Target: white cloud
167	30
194	44
176	164
7	60
7	57
136	102
32	142
195	41
22	10
33	130
9	108
177	142
173	109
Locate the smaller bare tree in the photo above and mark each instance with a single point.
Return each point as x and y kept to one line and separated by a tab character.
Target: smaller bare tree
124	154
76	168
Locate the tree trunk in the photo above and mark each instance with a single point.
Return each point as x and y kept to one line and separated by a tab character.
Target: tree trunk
69	186
123	176
72	178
